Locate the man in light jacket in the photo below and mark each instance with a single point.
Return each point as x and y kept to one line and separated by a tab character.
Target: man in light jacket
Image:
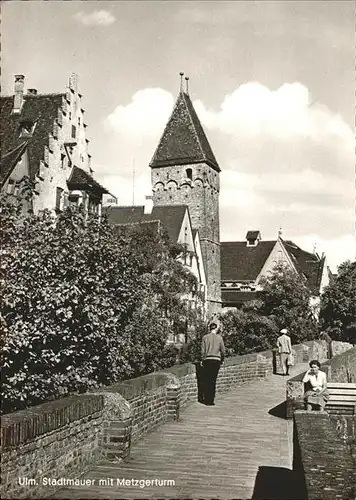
284	349
213	354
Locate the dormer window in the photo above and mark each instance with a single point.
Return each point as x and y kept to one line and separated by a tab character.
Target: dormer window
27	128
252	238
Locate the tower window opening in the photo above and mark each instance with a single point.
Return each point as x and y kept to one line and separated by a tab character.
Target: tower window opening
189	173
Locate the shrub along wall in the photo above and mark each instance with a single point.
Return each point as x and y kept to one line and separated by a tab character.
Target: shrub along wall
63	437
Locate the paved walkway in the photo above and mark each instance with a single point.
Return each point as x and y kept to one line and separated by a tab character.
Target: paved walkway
239	449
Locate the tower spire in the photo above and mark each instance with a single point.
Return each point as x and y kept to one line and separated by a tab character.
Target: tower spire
181	81
186	85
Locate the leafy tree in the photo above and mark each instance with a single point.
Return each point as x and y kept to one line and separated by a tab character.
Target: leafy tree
338	305
286	300
75	294
245	330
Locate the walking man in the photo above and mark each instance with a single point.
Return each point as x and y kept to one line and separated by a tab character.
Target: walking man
284	349
213	354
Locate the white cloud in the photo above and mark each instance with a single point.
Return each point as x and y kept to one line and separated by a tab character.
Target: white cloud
128	189
145	116
337	250
95	18
286	161
253	109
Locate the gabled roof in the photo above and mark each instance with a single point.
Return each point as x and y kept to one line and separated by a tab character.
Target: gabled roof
240	262
152	226
253	235
308	264
124	215
80	179
39	109
9	161
183	141
171	217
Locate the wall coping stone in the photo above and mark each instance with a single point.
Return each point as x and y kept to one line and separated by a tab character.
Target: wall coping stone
26	425
132	388
325	457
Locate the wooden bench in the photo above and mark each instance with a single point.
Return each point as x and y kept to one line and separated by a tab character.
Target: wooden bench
342	398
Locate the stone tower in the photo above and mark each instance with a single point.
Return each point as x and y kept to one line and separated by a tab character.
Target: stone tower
184	171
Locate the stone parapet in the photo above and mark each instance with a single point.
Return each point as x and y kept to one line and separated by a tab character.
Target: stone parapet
63	438
341	368
55	439
321	458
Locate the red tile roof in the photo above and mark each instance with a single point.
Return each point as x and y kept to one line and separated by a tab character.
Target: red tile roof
240	262
308	264
9	161
80	179
42	109
183	141
171	217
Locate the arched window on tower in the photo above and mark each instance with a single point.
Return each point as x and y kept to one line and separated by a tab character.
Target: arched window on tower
189	173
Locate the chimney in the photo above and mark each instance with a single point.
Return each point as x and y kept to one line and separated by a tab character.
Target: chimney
31	91
148	205
73	82
18	97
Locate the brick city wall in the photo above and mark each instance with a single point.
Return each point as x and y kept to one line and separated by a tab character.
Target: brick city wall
322	459
55	439
107	421
341	368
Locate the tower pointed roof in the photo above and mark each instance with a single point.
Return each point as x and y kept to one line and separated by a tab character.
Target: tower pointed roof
183	141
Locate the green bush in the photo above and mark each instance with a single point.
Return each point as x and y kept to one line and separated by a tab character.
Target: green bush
338	305
286	300
246	331
76	297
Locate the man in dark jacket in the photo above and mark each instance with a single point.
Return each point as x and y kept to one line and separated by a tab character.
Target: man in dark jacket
213	354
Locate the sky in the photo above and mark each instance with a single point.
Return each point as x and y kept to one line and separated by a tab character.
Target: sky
273	83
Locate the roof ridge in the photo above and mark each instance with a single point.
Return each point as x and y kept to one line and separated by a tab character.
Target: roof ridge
244	241
193	124
128	206
18	147
171	206
205	156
